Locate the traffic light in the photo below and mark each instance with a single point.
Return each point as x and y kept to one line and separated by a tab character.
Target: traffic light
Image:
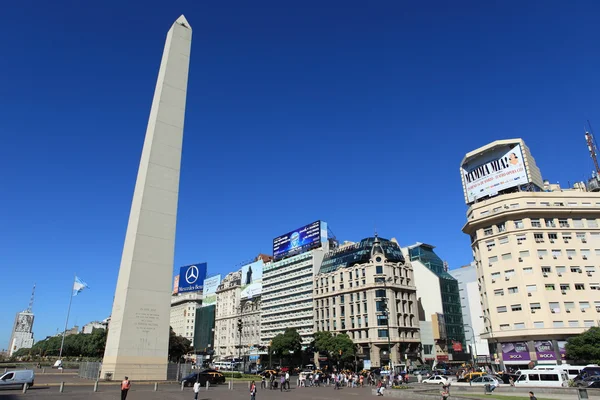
240	325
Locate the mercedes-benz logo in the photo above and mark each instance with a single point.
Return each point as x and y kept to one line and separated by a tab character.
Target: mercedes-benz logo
191	275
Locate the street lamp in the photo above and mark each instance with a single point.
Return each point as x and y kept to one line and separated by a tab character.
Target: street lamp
473	349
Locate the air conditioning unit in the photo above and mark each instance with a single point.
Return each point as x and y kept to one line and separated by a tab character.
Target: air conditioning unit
551	240
583	310
580	271
529	294
520	259
589	274
545	275
559	274
584	241
491	265
555	257
541	257
568	311
533	311
570	257
564	292
566	241
507	278
552	311
493	281
597	309
585	257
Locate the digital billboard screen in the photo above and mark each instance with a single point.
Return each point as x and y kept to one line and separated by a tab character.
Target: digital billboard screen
191	277
210	288
491	172
297	241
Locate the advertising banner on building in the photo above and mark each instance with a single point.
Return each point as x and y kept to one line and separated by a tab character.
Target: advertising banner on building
303	239
176	284
544	350
252	280
562	349
515	351
209	293
191	277
457	346
496	170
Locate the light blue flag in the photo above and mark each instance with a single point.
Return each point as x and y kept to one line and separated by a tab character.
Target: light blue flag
78	286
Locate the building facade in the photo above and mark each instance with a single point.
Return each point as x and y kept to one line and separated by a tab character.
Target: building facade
440	313
184	311
367	291
22	333
287	295
226	316
472	311
90	326
537	256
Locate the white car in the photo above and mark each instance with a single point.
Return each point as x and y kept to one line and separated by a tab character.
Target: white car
485	380
437	379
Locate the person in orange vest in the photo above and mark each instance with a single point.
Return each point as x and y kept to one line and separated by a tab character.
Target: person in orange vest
125	385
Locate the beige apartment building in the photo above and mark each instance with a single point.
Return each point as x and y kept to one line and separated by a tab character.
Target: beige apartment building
537	255
350	293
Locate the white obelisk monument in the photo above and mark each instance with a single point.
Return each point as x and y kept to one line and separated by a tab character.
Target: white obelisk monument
138	337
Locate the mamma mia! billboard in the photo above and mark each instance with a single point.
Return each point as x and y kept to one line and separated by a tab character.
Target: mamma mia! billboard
493	171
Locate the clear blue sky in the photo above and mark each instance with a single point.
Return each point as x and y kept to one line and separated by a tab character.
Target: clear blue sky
356	113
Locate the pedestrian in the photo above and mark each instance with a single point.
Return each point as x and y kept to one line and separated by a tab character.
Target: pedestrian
263	382
282	382
125	385
532	396
287	380
445	394
252	391
196	389
380	388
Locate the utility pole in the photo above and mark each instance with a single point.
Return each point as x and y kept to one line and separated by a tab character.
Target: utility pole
270	354
240	326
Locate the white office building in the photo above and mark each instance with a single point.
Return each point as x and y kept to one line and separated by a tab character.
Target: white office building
183	313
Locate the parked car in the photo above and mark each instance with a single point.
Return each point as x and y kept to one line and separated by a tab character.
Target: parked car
17	379
588	381
437	379
472	375
210	375
423	372
485	380
594	385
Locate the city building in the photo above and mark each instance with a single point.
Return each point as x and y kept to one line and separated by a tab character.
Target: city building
468	287
184	312
536	249
22	333
439	309
367	291
226	316
204	331
287	286
90	326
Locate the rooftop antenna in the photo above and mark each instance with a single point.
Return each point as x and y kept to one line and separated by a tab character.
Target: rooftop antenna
591	143
30	308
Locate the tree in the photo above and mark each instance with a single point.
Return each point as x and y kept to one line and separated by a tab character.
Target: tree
337	348
81	345
287	344
585	347
178	346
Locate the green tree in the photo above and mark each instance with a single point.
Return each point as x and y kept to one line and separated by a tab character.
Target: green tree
585	347
287	344
89	345
337	348
178	346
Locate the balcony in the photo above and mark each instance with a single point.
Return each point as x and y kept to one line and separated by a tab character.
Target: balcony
286	300
274	284
284	293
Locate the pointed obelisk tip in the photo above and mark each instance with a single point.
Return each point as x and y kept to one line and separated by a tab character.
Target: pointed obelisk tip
183	22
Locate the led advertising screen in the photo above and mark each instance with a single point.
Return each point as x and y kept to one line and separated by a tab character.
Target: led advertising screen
191	277
493	171
252	279
303	239
210	288
515	351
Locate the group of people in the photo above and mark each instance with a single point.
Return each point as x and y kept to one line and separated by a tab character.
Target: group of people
283	382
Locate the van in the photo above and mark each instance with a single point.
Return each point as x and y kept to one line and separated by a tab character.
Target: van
17	379
542	378
571	370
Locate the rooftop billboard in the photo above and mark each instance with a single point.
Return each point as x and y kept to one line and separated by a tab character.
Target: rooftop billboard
210	290
191	277
252	280
500	168
298	241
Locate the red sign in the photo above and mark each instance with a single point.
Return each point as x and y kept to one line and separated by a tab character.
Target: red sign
442	358
457	346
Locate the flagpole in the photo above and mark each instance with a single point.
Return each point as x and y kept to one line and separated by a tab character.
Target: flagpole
62	343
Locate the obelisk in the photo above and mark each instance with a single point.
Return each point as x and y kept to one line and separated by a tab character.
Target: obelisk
138	337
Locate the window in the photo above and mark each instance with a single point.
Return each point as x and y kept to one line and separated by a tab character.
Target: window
581	237
563	223
428	348
506	256
382	320
515	307
538	324
499	292
528	270
585	253
594	286
561	270
539	237
490	243
571	253
513	290
588	323
535	306
579	286
501	309
519	224
380	306
552	237
524	254
554	307
590	269
569	305
577	223
509	273
565	286
342	299
380	293
492	260
495	275
567	236
550	286
488	231
382	333
521	238
531	288
546	270
535	223
549	223
558	324
503	240
504	327
575	270
556	253
501	227
542	253
379	269
519	325
592	223
584	305
573	324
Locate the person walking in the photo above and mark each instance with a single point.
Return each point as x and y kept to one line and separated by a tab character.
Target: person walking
532	396
287	380
196	389
263	382
252	391
125	386
282	382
